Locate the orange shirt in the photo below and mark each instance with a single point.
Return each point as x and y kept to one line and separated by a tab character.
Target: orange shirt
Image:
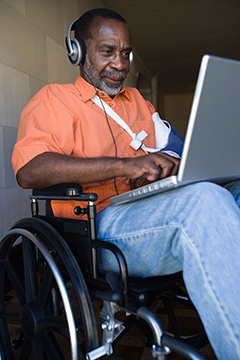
63	119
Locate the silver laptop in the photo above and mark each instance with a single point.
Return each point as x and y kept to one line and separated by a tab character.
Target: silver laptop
212	144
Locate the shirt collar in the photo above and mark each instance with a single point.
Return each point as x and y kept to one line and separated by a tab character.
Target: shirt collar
87	91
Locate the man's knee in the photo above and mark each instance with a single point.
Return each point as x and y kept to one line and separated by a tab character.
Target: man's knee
210	191
205	200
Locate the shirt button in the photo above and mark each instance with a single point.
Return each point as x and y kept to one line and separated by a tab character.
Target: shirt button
134	153
102	94
111	104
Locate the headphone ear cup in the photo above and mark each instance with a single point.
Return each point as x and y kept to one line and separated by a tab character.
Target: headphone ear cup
131	58
78	52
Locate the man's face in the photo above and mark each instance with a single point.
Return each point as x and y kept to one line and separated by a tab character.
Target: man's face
107	60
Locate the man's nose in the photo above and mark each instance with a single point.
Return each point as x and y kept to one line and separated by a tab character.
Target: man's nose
118	62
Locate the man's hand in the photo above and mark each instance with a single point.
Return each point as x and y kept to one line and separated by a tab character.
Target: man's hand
149	168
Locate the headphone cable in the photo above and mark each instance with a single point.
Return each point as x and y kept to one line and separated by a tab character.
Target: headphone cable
106	116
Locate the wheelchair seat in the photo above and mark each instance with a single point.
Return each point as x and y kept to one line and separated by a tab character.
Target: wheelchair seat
50	266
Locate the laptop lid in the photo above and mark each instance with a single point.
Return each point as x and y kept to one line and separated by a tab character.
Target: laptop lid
212	143
212	146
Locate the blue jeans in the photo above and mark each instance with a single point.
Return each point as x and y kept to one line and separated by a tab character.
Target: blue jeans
195	229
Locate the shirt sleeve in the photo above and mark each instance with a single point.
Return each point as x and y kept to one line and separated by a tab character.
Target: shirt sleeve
168	139
174	146
45	126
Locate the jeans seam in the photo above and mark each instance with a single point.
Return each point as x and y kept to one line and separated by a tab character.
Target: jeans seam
136	234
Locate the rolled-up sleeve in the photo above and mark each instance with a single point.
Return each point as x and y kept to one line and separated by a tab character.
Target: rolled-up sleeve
45	126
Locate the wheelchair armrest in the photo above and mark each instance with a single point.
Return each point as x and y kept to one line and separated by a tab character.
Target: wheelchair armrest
59	190
62	192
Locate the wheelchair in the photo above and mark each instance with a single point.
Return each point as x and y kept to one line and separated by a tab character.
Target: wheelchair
50	280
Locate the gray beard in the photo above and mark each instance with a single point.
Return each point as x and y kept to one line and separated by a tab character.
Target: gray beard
96	79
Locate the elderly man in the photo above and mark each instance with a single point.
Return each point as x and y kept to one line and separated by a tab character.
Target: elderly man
64	136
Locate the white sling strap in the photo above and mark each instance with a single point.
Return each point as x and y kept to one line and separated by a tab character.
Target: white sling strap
136	143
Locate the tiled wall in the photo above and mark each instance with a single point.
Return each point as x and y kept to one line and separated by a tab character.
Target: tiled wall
32	54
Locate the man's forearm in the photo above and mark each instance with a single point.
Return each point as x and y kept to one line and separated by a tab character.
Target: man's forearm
50	169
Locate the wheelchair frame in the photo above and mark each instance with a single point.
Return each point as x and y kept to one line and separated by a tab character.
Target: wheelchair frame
46	234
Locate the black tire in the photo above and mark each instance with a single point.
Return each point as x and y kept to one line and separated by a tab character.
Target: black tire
39	326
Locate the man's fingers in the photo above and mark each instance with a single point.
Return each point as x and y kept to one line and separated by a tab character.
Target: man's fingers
175	162
150	168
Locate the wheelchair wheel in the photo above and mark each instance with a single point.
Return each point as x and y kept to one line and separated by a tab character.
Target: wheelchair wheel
50	314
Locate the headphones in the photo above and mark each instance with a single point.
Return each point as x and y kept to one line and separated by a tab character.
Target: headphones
77	49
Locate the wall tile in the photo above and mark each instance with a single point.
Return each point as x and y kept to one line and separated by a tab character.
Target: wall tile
177	110
14	94
48	16
84	6
24	44
68	17
73	5
2	168
18	5
9	139
35	85
59	68
17	206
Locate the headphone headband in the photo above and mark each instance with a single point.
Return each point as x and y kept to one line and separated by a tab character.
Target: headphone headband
68	39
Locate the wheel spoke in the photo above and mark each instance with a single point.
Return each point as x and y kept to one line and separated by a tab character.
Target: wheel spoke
56	322
5	340
15	281
37	350
50	346
29	270
45	289
26	350
10	315
64	332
